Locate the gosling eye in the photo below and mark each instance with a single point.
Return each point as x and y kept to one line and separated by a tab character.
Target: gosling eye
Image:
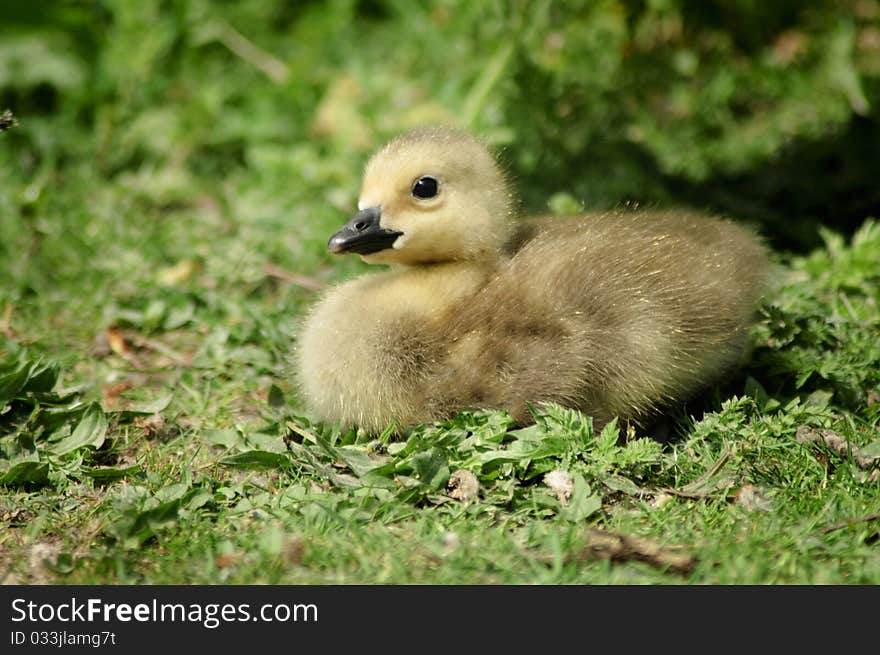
425	187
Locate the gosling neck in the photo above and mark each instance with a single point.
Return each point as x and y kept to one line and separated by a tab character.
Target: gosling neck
437	287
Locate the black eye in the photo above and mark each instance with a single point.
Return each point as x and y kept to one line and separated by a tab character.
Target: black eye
425	187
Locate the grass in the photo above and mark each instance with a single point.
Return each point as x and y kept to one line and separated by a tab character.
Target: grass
150	435
159	244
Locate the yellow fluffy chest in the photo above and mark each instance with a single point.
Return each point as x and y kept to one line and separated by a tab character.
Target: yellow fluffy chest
369	343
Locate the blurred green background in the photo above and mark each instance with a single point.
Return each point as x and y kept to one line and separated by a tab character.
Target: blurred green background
221	113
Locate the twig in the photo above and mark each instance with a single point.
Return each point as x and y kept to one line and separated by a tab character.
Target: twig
299	280
6	325
683	494
847	523
162	349
696	489
305	434
614	546
272	67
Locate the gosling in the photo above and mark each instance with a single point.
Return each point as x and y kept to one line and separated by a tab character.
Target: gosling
616	314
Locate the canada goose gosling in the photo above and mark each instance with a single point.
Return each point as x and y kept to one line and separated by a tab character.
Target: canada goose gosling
614	314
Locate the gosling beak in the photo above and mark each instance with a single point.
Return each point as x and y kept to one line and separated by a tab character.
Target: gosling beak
363	234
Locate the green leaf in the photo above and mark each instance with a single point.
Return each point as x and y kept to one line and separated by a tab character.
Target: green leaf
261	441
608	438
224	438
257	460
172	492
63	564
819	398
89	432
359	460
151	407
639	451
108	474
28	472
57	420
582	503
276	397
623	485
754	390
146	524
41	377
12	382
871	451
431	467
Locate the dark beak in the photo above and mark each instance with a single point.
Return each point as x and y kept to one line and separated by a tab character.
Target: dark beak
363	234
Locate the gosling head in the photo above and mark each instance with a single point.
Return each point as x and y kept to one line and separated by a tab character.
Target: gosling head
431	195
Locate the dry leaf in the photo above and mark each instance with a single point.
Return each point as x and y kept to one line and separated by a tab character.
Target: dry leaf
226	560
617	547
111	392
836	442
151	425
294	550
176	274
117	342
789	46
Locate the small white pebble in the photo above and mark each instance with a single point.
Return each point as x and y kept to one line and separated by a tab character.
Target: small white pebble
41	554
451	540
661	500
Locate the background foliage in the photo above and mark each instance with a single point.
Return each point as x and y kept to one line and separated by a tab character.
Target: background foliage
767	111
